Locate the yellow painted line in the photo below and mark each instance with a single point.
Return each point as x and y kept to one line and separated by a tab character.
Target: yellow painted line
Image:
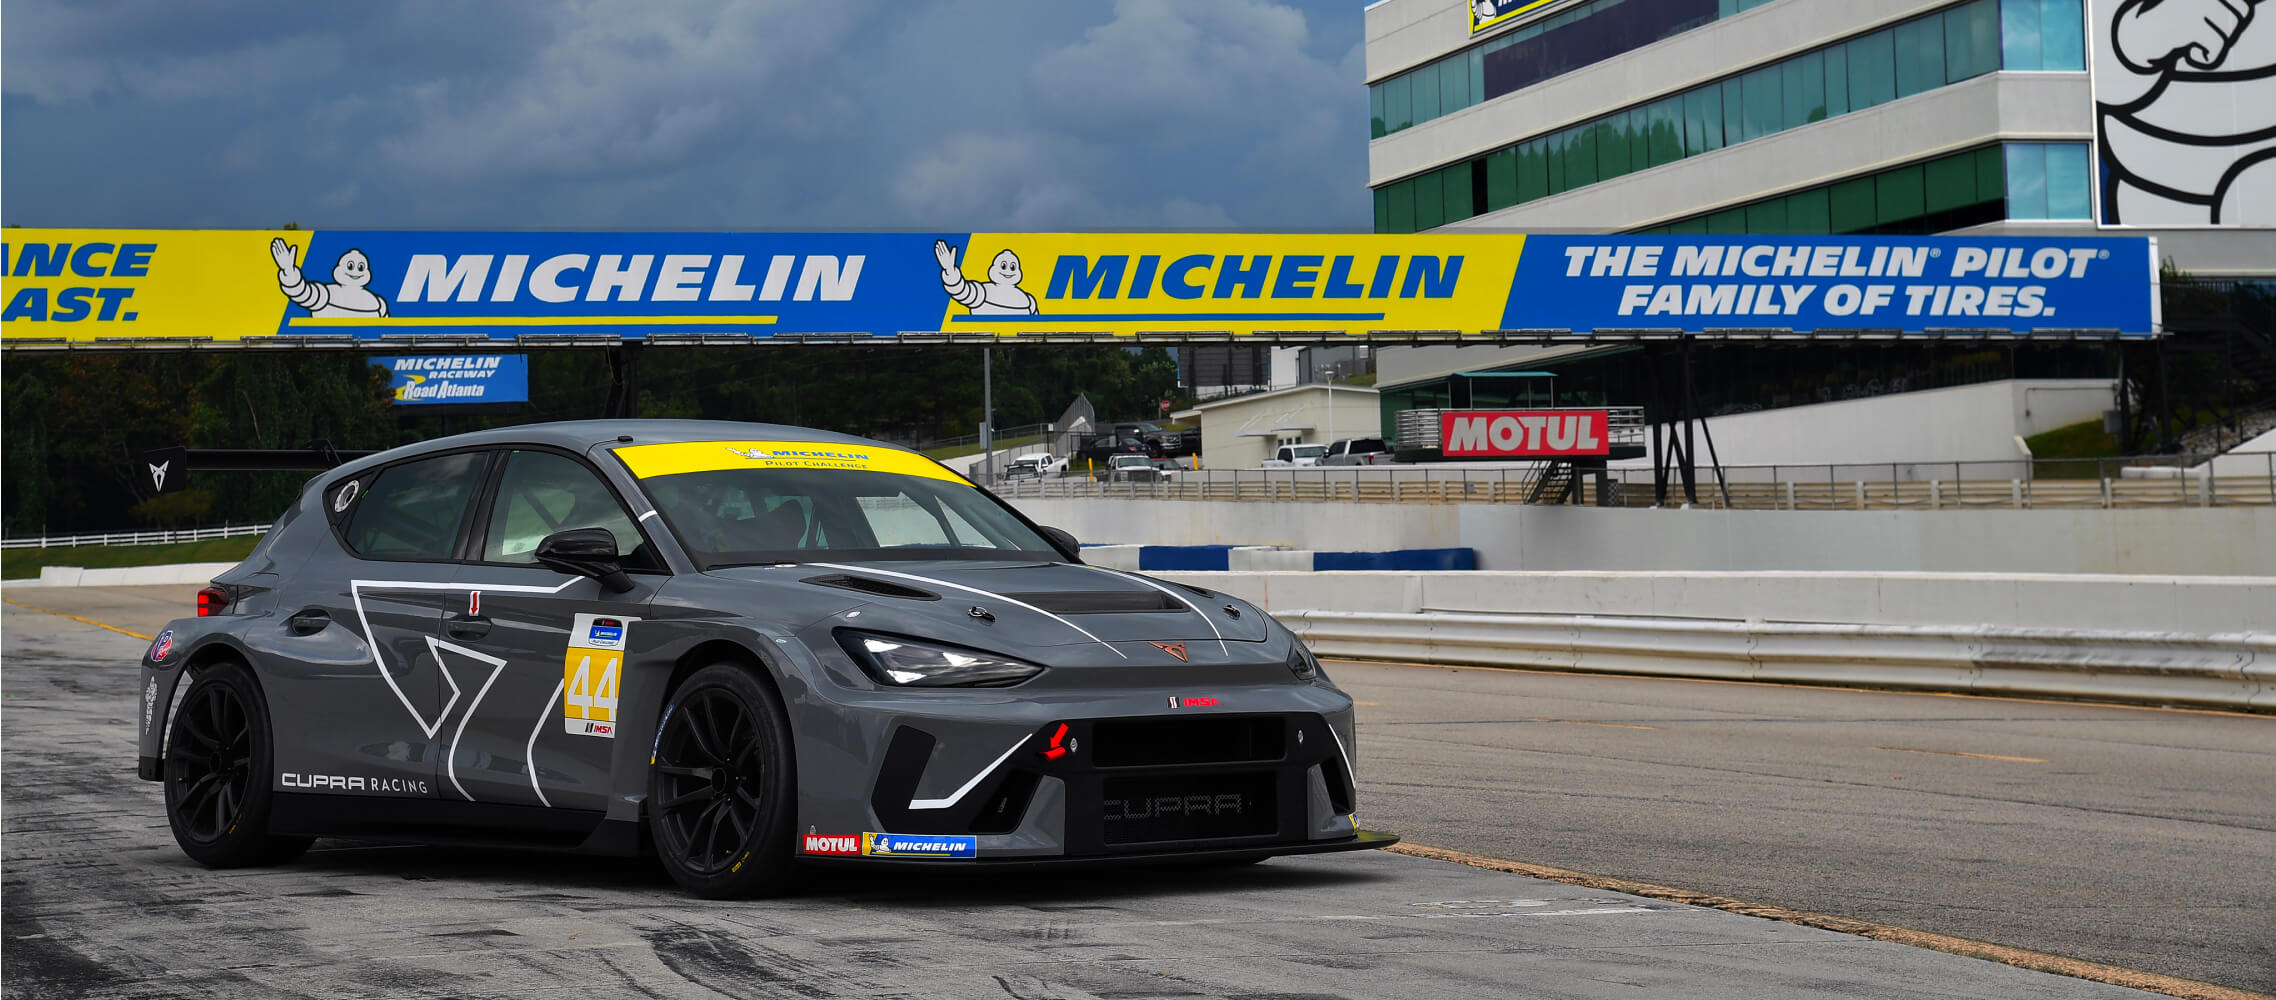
2036	961
76	618
1585	722
531	321
1956	753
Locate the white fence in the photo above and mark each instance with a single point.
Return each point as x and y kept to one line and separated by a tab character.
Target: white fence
135	537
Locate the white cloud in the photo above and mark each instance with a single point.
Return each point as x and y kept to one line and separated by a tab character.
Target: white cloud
627	86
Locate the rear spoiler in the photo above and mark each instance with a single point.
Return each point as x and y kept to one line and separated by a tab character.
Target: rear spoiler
167	470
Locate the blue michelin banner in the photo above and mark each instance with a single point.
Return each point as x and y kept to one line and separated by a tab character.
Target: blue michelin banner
457	379
358	288
1908	284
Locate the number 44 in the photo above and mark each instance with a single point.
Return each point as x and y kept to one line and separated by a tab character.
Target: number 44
599	703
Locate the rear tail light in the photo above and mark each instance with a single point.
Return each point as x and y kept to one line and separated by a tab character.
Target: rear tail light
212	601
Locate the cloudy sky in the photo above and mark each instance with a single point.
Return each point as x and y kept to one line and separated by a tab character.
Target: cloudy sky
712	114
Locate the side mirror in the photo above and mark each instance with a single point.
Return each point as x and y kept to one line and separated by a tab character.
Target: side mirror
585	552
1064	542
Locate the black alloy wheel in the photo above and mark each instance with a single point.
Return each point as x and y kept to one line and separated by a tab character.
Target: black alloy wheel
217	765
720	791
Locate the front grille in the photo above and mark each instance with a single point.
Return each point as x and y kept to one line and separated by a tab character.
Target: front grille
1157	742
1150	809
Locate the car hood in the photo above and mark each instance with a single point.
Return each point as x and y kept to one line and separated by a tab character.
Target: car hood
1015	604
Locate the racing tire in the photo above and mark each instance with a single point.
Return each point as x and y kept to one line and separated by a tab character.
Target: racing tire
722	787
218	751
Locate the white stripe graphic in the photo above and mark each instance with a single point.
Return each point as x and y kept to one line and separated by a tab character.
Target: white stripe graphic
450	754
974	783
1221	647
529	750
356	596
975	590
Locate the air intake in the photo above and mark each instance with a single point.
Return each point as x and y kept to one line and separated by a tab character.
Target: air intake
865	585
1100	602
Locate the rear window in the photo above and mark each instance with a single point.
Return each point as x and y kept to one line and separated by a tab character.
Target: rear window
414	510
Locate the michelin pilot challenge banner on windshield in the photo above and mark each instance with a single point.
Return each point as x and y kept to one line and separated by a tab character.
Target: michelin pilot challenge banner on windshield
95	287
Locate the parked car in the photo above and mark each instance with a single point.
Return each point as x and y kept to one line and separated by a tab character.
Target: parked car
1292	455
1097	450
1158	442
1358	451
1130	469
1168	468
1037	466
640	635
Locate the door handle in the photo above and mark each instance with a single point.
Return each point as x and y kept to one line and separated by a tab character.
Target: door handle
467	628
308	622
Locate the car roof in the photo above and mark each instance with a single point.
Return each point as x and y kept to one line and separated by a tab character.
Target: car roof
579	435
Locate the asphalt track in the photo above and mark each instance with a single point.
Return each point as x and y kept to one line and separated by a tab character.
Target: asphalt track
2144	840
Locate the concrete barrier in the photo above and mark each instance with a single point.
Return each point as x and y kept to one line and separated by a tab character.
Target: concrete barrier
2208	641
125	576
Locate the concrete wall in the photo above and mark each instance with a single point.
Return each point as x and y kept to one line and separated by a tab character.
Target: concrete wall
2210	541
1972	423
2199	605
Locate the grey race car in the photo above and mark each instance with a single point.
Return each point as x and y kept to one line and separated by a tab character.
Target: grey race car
736	645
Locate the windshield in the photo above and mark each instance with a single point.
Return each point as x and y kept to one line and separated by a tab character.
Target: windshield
743	502
1311	450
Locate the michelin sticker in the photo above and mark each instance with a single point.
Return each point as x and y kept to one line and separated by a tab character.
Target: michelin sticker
902	845
590	673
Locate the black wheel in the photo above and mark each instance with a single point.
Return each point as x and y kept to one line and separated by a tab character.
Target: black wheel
722	791
218	750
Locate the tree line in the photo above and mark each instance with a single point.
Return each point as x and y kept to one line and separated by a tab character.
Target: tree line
78	424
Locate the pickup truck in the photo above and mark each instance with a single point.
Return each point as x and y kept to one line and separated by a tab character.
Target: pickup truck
1293	455
1358	451
1131	469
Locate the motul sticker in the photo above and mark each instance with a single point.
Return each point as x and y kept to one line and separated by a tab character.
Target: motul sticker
836	844
1523	433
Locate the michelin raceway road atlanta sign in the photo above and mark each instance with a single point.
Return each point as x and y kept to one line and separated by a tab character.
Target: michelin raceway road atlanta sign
96	288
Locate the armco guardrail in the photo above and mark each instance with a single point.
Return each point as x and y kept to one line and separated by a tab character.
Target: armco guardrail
2163	481
134	537
2228	670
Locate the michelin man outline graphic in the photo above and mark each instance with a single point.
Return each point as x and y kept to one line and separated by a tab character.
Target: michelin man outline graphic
999	296
2186	99
347	295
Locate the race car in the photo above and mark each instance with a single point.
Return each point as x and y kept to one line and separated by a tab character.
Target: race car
739	646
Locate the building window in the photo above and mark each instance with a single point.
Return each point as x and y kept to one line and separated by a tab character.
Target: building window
2047	180
1551	47
2042	35
2028	180
1932	51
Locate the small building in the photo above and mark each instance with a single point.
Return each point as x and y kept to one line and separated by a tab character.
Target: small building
1241	432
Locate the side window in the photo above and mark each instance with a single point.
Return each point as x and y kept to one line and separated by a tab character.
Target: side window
541	493
413	510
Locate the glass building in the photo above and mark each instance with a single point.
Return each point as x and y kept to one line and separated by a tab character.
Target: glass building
1737	117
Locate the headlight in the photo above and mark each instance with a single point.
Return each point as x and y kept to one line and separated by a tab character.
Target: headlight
1300	661
908	663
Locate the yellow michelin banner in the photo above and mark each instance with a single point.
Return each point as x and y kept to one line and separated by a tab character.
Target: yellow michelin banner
91	287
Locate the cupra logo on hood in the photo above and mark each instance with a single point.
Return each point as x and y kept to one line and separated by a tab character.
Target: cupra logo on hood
1176	649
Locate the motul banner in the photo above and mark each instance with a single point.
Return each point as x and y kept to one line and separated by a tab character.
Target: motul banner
1523	433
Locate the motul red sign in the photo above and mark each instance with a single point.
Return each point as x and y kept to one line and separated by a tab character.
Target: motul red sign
1523	433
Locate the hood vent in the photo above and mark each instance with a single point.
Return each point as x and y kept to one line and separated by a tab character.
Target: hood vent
1100	602
863	584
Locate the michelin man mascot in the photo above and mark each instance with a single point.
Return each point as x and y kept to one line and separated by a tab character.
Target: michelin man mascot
2187	97
1001	296
347	294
